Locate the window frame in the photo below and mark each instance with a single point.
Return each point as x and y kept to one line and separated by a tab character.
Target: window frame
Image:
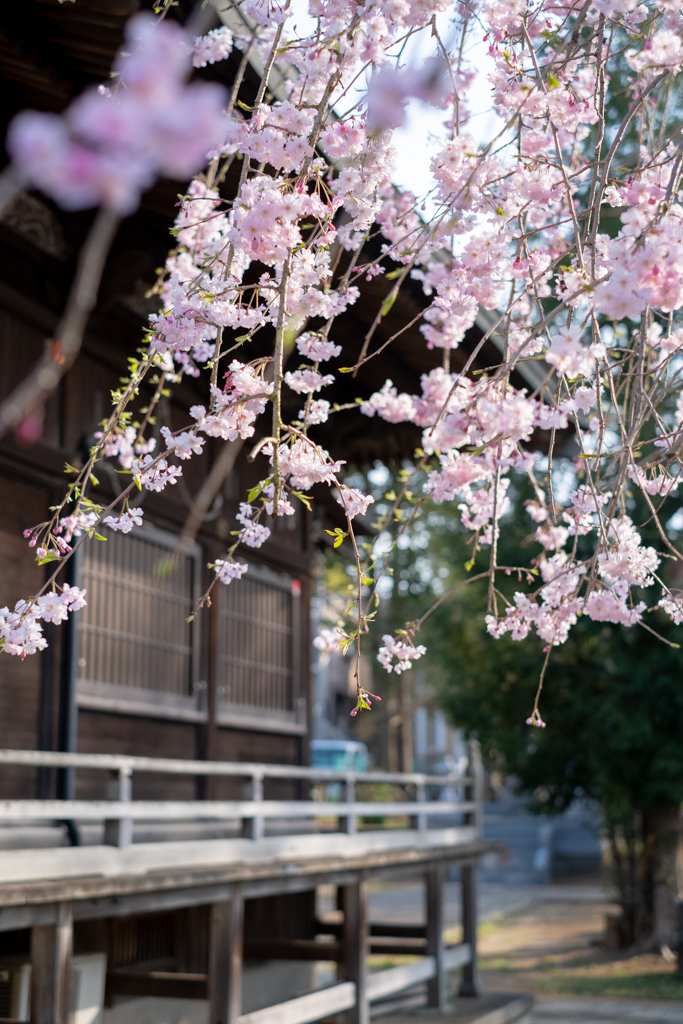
228	714
91	695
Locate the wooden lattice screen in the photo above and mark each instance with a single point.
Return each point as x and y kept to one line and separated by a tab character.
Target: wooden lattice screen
259	646
134	641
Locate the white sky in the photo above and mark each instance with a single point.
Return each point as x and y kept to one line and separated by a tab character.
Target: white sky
423	131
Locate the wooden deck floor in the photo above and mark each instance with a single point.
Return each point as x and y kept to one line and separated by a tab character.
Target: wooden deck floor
107	880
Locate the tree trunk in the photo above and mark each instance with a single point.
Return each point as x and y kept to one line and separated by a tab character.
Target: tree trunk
661	829
647	856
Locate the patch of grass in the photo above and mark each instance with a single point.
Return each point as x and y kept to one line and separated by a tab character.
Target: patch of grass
616	985
383	963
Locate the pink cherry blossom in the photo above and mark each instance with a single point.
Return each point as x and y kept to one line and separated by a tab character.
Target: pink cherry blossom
354	502
215	45
126	521
405	654
228	570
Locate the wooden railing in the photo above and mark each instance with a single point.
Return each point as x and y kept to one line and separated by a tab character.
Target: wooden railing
457	793
426	800
380	985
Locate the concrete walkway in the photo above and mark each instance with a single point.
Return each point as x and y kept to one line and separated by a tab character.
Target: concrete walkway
405	902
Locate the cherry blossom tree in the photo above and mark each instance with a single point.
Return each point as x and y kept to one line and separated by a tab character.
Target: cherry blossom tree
587	93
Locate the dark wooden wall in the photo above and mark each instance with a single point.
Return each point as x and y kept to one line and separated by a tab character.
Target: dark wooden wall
31	479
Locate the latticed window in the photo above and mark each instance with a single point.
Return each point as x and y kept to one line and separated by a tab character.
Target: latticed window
134	645
259	639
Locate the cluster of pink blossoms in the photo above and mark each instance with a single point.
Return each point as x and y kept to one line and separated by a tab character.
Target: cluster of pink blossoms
587	324
21	632
112	143
405	654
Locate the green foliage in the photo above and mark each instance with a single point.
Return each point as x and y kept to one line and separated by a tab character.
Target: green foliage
612	697
612	700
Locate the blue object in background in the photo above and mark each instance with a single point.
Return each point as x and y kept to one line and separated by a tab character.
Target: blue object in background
340	755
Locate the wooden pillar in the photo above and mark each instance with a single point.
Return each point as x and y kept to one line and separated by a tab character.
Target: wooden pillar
437	994
51	949
355	947
225	959
470	974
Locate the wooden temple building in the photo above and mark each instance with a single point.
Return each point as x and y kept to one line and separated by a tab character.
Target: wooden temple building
158	827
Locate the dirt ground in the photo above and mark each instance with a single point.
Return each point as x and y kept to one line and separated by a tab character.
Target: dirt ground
554	946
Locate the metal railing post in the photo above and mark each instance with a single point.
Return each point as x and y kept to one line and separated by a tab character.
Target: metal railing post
254	827
119	832
349	822
477	769
420	798
250	810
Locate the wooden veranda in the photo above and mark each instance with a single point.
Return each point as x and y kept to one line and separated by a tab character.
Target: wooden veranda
57	891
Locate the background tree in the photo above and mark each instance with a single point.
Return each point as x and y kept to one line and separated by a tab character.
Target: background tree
612	697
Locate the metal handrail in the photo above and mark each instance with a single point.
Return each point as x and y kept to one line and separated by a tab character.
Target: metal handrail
120	811
235	769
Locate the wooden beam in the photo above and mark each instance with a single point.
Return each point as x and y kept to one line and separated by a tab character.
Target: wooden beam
292	949
396	979
311	949
42	973
51	950
392	931
307	1008
64	943
225	959
436	986
468	882
172	985
457	956
355	948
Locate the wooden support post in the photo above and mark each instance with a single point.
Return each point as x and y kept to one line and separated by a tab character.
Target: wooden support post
470	974
51	948
225	959
355	947
437	994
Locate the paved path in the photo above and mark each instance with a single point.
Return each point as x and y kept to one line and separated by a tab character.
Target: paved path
405	902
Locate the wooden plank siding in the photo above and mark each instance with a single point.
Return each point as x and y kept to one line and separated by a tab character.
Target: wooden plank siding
31	479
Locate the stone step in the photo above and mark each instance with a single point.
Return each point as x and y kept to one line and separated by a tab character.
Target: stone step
597	1010
493	1009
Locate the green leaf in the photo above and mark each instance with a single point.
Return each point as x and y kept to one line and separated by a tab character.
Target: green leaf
254	493
553	82
339	540
50	556
304	499
346	369
393	274
388	302
99	536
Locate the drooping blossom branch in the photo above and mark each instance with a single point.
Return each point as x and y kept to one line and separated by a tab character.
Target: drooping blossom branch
578	260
